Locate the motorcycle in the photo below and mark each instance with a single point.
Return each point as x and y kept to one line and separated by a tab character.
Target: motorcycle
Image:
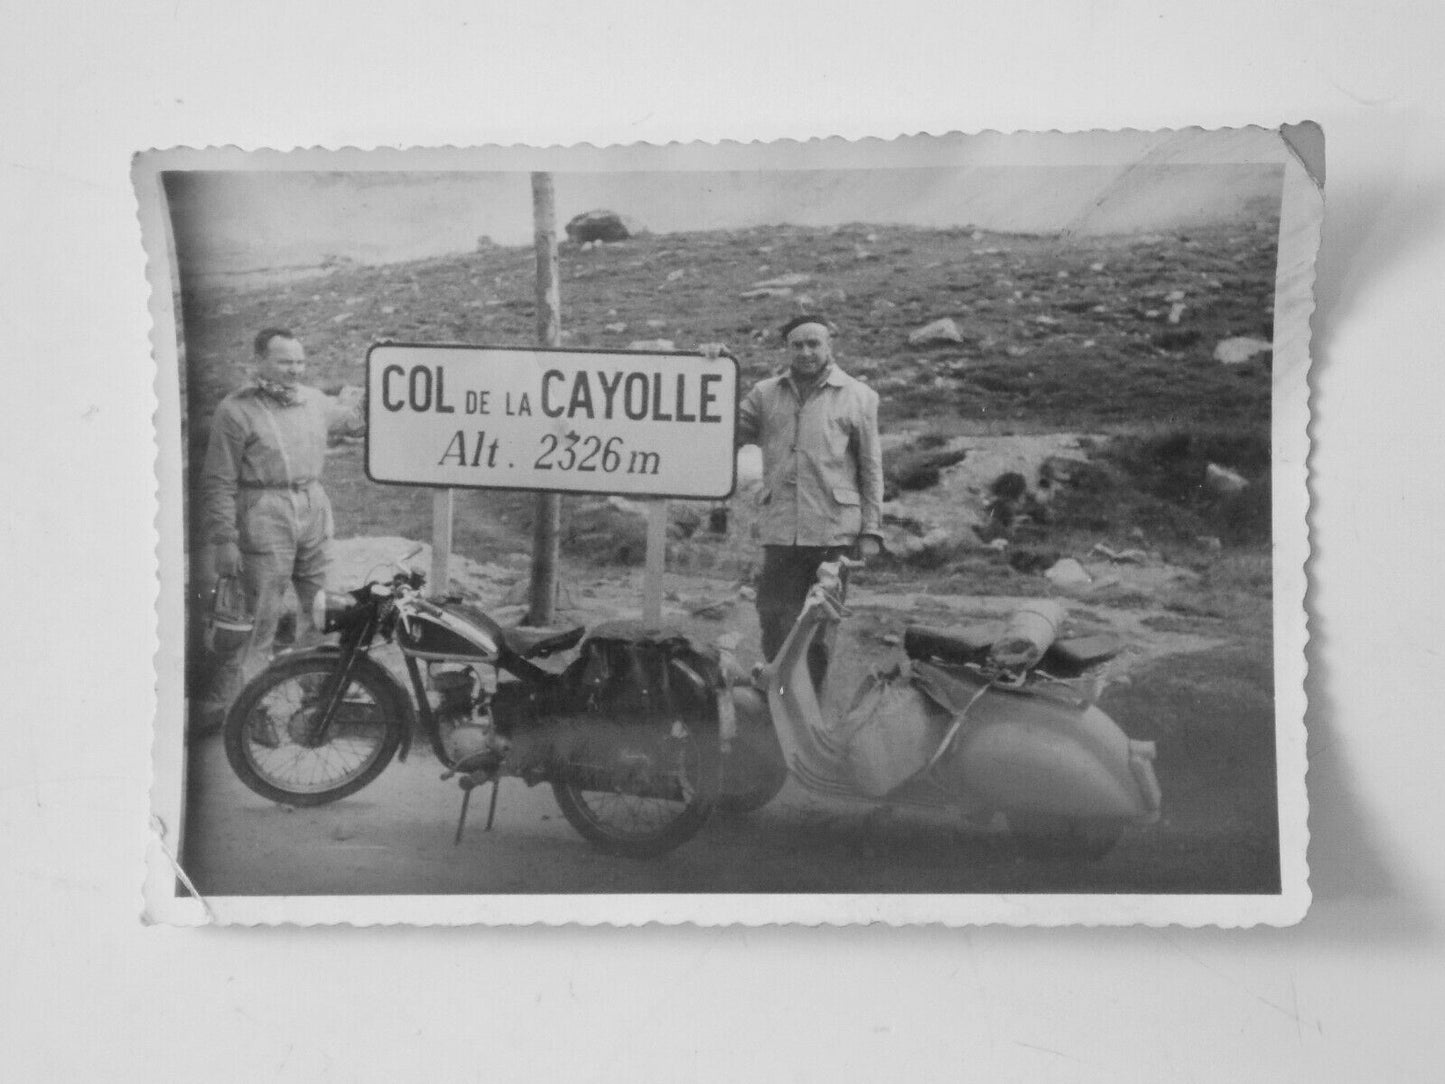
973	722
627	734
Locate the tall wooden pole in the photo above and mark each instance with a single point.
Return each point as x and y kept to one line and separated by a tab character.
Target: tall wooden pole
656	562
549	333
443	505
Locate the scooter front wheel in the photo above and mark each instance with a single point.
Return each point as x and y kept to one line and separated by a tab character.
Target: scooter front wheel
279	746
642	796
1051	838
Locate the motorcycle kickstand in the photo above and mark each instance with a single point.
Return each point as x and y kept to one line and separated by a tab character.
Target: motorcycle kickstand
467	787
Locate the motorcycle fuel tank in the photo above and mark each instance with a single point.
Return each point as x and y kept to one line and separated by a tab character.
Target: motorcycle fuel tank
452	632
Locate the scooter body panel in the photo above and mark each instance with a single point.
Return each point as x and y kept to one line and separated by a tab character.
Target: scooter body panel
1050	760
1026	750
1040	750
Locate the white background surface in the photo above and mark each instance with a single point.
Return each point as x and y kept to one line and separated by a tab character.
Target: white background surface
1352	993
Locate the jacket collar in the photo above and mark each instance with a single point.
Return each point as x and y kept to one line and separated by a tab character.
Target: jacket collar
833	377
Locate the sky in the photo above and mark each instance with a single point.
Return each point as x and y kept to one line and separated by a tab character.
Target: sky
232	221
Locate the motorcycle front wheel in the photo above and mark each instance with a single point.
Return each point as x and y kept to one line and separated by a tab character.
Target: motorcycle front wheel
643	795
277	743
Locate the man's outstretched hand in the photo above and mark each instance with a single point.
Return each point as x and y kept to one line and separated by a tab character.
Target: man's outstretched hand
868	547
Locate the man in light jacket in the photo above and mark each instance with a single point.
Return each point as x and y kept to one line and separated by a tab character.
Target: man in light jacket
822	490
262	505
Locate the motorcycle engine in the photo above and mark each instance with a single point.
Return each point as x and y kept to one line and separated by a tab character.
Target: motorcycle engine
456	688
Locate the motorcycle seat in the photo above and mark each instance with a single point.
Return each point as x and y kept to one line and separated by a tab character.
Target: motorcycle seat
530	643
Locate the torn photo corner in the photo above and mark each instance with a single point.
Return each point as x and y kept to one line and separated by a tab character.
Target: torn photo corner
494	483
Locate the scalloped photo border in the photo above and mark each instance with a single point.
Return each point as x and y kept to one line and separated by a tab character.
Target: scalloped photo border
1297	148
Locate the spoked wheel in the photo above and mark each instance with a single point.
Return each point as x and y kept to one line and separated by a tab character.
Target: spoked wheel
641	792
1052	838
280	747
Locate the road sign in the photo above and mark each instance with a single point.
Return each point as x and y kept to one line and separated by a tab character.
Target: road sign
571	421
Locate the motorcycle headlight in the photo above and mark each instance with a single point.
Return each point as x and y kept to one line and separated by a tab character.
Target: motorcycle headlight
329	610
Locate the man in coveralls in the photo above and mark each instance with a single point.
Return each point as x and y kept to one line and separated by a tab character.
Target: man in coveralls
822	490
262	505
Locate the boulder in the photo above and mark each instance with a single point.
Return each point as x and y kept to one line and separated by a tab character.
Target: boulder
656	346
762	293
1238	350
598	226
939	331
1068	573
352	399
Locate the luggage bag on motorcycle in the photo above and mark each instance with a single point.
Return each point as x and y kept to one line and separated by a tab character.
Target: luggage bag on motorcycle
632	670
625	672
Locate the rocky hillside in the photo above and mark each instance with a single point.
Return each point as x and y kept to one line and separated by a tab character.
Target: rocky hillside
1109	336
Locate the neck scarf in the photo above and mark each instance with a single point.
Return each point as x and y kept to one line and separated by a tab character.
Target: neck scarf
282	394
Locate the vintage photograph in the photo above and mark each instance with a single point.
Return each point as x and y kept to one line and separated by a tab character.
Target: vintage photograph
805	532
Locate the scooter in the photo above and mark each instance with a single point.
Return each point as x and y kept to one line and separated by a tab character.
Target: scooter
627	734
974	722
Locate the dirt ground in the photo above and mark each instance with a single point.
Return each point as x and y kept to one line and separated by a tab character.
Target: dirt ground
1207	700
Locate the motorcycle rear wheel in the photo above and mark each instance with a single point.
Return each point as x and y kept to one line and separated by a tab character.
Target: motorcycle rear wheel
594	797
1050	838
272	750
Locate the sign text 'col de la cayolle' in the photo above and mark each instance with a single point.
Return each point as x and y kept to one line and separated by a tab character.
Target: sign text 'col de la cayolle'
575	421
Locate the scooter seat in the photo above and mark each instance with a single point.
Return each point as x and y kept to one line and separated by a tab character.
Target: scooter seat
966	644
1074	656
972	644
539	643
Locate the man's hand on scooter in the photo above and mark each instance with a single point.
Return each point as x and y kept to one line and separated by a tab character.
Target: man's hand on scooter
868	547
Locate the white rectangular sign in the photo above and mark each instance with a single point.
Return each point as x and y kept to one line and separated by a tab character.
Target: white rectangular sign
575	421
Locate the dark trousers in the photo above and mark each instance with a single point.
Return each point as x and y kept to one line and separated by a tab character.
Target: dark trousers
788	573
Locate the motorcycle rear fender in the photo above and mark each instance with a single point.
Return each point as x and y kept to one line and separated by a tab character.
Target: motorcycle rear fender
401	701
